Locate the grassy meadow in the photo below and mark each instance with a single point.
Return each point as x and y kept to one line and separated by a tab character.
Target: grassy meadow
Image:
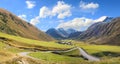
11	45
33	44
55	58
99	50
107	53
62	59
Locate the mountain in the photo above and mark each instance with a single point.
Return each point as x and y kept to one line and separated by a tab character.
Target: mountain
108	19
92	28
62	31
74	34
103	33
104	19
11	24
69	31
55	33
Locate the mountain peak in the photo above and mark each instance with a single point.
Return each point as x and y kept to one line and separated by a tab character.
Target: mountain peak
104	19
106	32
101	18
108	19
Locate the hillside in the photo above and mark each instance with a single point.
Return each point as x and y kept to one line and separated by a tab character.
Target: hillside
11	46
25	43
103	33
13	50
11	24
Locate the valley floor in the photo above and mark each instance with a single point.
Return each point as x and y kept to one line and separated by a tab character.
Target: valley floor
27	51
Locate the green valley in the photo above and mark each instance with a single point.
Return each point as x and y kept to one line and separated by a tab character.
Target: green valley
59	32
16	44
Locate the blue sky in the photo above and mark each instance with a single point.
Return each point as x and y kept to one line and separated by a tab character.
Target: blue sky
76	14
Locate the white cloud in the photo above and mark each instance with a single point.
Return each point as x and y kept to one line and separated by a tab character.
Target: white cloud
91	5
35	20
88	7
23	16
79	23
30	4
62	10
44	12
65	14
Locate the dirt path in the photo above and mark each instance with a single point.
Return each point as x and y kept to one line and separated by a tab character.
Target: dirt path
82	52
25	54
87	56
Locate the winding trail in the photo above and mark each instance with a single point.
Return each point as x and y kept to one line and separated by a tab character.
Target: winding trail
87	56
81	51
25	54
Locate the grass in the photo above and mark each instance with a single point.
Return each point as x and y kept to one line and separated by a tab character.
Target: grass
91	48
2	46
102	51
19	41
8	48
5	55
50	57
72	53
60	59
99	50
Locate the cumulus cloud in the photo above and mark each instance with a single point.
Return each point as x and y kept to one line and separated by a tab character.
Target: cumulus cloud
62	10
64	14
88	7
23	16
44	12
35	20
30	4
91	5
79	23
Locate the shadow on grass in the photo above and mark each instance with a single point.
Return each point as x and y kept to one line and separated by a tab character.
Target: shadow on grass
77	56
99	54
107	53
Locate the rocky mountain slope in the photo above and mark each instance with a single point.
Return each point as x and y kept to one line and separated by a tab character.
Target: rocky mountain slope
11	24
103	33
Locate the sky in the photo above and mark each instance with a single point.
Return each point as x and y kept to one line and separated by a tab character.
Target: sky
76	14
